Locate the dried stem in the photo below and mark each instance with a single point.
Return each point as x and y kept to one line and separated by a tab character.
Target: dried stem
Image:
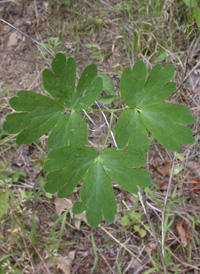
145	208
27	36
104	116
165	204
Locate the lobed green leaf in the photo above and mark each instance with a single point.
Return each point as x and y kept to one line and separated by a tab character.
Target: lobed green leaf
60	82
71	129
68	165
157	88
40	115
132	82
88	90
158	56
107	82
97	196
146	112
163	120
131	131
121	166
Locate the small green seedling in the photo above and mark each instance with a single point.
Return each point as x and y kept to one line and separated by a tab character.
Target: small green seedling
71	160
52	44
134	219
9	175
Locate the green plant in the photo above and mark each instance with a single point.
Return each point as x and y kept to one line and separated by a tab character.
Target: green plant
195	10
9	175
70	161
52	44
4	203
134	219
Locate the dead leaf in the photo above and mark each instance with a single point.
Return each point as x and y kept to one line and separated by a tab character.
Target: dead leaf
15	230
195	167
194	184
133	263
164	185
81	216
65	263
163	169
62	204
183	230
13	39
69	45
131	198
151	247
29	221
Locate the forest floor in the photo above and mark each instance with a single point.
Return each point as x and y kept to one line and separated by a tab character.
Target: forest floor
37	234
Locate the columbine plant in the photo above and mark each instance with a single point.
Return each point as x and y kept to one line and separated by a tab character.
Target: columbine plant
70	160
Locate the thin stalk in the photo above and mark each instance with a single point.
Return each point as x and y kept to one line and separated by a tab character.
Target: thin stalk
109	129
165	205
145	208
27	36
104	116
100	110
96	125
121	245
107	110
